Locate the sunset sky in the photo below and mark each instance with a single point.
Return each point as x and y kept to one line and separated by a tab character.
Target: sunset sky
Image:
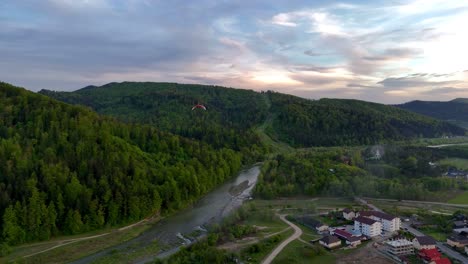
382	51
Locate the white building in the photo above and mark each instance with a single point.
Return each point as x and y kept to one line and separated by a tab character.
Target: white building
348	214
367	226
390	223
400	247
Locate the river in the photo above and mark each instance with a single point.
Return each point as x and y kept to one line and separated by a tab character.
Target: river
173	230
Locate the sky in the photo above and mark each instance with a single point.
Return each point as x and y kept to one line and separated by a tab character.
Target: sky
388	51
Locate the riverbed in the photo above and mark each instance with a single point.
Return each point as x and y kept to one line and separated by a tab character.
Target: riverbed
174	231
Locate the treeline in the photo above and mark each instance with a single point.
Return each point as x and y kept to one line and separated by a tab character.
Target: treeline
336	122
347	172
452	110
66	170
233	115
229	121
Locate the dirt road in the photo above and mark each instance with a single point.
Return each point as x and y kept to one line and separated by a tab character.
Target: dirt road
297	234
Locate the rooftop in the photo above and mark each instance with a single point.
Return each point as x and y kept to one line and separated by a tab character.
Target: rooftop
426	240
378	214
399	243
342	233
330	239
365	220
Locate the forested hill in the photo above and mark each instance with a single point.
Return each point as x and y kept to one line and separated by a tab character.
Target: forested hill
228	123
455	110
333	122
65	170
233	115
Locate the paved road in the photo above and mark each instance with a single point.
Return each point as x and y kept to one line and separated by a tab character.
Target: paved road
447	250
297	234
414	201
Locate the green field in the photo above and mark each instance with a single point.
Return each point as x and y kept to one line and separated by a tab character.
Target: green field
71	251
298	252
458	163
460	199
257	252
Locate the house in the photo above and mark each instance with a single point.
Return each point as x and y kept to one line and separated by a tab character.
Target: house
330	242
312	223
348	237
390	223
458	239
429	255
441	261
454	173
348	214
400	247
433	256
459	224
424	242
367	226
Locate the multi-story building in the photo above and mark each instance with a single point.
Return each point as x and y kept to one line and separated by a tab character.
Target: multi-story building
400	247
367	226
390	223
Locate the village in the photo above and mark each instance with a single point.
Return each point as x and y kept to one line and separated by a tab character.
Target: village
394	237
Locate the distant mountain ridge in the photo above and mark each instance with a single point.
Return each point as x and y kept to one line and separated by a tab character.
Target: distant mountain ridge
232	112
455	111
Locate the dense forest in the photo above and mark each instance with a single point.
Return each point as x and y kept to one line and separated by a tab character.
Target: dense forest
404	172
335	122
233	115
66	170
228	123
455	110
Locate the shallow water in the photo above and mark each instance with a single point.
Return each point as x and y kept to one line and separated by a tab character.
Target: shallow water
210	209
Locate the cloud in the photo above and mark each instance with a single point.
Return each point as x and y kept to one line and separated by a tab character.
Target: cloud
284	20
380	51
419	80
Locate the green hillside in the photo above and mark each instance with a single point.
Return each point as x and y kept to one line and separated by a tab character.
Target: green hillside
233	115
455	111
333	122
65	170
228	123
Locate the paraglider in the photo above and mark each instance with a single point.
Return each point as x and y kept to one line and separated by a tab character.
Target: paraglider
199	106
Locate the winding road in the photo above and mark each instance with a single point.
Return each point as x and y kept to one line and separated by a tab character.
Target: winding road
297	234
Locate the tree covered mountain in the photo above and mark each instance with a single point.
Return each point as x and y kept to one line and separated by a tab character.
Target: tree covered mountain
455	111
229	122
233	115
334	122
65	170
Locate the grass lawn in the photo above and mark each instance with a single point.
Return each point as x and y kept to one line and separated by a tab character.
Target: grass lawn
298	252
257	252
458	163
460	199
128	257
72	251
437	235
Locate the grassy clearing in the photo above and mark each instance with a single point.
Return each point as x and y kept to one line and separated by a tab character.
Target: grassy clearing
298	252
458	163
128	256
437	235
460	199
72	251
257	252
